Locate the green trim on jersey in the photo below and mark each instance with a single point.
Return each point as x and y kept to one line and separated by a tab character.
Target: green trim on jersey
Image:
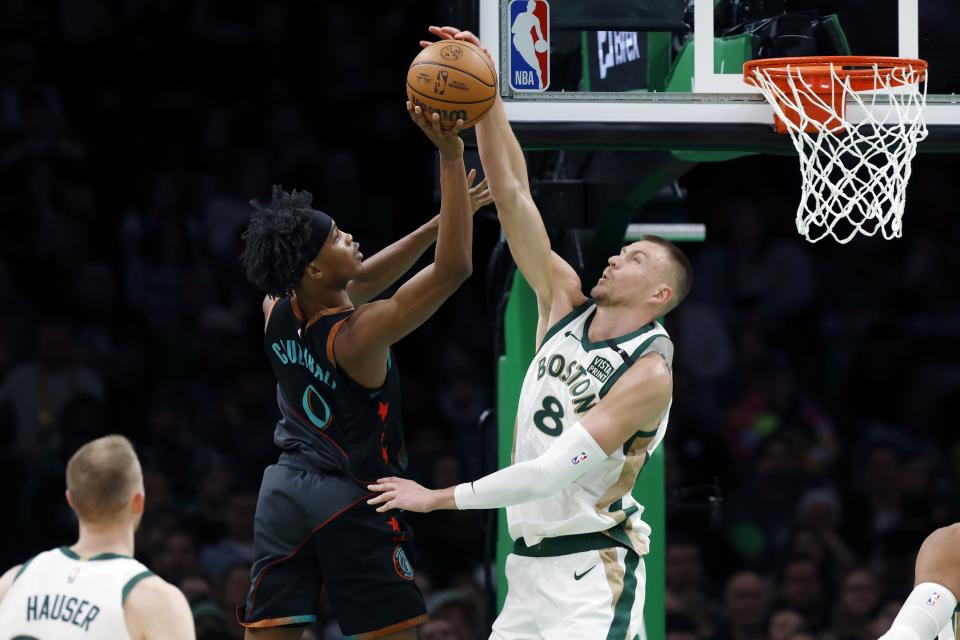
624	607
132	582
564	545
633	356
617	505
73	555
23	568
564	321
590	346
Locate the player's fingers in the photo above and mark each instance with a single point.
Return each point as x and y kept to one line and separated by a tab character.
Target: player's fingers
419	118
451	31
376	500
457	128
426	43
471	176
435	122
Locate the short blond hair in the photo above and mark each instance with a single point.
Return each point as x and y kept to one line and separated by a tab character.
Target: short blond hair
102	477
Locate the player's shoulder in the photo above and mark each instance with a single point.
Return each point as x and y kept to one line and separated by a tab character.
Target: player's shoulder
151	590
152	603
6	580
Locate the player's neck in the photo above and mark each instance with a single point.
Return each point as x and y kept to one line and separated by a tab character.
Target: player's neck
97	539
613	322
313	300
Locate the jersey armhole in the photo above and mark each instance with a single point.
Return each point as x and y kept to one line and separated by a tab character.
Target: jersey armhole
132	582
23	568
564	321
633	358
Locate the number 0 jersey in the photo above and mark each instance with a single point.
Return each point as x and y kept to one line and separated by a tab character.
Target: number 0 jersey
327	419
58	594
568	376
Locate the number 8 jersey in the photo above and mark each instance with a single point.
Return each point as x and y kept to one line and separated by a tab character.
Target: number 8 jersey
568	376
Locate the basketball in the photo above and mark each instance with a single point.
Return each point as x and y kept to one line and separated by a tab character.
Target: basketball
541	46
454	79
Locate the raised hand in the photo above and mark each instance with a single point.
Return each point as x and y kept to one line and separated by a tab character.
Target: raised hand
479	195
448	141
453	33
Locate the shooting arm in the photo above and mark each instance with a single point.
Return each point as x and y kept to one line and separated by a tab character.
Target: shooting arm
386	266
372	329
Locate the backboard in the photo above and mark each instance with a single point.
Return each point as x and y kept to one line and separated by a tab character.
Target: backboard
667	74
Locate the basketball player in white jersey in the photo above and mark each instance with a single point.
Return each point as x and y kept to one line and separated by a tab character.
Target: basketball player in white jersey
594	405
931	610
94	589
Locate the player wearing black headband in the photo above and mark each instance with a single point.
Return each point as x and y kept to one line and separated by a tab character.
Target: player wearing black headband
338	390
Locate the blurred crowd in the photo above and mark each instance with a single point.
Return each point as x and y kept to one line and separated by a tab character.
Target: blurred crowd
814	385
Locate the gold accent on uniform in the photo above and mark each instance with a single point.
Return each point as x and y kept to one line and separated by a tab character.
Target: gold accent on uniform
633	463
614	572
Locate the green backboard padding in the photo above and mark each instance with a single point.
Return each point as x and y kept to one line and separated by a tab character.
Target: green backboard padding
519	335
729	56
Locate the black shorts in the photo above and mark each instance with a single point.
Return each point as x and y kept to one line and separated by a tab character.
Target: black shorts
313	528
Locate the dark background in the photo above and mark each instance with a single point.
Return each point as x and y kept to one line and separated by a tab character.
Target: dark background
817	386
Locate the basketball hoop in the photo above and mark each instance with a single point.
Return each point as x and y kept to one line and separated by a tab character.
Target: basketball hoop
855	168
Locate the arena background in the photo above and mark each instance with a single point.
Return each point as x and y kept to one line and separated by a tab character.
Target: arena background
816	387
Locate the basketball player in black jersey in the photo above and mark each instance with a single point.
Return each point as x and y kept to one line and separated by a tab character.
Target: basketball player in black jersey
339	396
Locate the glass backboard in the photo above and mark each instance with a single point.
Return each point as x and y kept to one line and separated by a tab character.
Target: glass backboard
668	73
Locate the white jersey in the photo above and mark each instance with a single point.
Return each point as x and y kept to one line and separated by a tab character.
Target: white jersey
567	377
952	630
57	594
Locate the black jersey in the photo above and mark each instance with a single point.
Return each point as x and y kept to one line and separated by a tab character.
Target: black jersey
327	418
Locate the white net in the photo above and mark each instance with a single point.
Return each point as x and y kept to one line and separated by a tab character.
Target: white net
855	165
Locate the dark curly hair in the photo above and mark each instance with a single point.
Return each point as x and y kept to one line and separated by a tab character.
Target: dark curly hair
277	246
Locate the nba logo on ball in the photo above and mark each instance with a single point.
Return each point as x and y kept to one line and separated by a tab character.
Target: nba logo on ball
529	45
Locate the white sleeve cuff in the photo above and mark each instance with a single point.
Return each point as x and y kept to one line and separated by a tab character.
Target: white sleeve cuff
572	455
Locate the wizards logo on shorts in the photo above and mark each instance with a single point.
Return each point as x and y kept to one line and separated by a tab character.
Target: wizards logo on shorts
529	45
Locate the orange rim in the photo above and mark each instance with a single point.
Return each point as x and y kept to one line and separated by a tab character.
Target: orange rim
812	67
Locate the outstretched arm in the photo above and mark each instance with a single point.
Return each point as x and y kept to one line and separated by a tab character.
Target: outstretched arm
636	401
361	346
385	267
554	281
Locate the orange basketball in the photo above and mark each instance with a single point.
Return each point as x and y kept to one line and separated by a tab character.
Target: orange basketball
454	79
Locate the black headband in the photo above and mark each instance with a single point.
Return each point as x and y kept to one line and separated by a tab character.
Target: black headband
320	226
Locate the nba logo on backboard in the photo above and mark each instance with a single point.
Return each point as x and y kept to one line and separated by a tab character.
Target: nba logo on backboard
529	45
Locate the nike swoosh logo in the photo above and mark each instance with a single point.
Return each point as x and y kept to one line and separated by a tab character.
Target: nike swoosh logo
577	576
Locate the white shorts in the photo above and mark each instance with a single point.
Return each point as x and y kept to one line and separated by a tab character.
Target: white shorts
585	595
